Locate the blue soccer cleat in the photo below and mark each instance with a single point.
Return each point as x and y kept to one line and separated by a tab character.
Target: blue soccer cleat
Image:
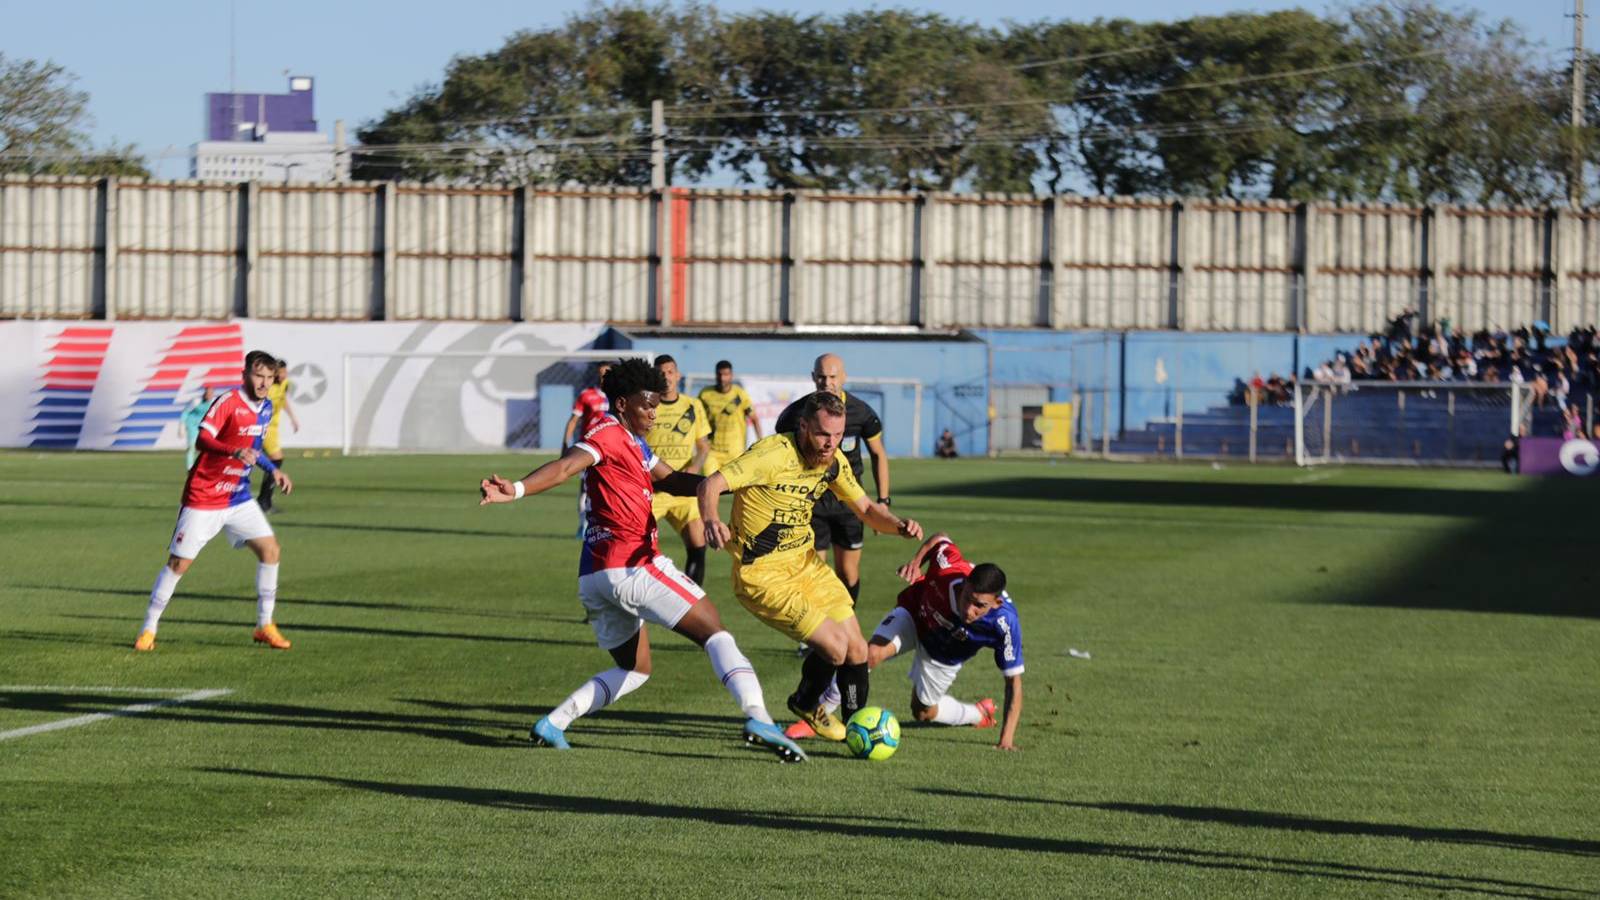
545	732
766	734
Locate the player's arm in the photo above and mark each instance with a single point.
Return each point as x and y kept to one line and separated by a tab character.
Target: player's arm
260	458
912	571
751	417
495	489
675	482
702	449
289	409
880	464
709	491
1013	713
702	439
880	519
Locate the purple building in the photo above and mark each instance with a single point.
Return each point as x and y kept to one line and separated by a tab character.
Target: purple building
248	117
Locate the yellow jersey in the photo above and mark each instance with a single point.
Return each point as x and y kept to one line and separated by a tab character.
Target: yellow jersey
773	492
729	412
679	425
276	392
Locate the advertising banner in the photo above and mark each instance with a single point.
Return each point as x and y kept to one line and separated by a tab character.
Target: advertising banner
124	385
771	396
1572	458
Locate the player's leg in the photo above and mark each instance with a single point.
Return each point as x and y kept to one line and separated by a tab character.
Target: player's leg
931	700
195	528
694	539
269	448
848	537
621	634
839	636
245	525
894	635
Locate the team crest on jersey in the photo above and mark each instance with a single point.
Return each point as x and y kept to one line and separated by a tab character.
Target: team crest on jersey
848	444
685	422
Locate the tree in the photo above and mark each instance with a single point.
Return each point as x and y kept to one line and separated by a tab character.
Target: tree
42	117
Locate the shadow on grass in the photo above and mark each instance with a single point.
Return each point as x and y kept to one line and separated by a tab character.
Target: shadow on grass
293	628
848	825
1249	818
1520	551
428	529
378	605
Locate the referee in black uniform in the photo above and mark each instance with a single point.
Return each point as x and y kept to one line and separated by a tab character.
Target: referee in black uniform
834	524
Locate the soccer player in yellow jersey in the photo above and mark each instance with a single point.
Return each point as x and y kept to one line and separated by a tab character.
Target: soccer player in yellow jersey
777	574
679	438
278	393
731	410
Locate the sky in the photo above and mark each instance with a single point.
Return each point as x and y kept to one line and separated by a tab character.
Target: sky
147	65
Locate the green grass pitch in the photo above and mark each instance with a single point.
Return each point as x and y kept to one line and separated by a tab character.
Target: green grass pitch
1334	682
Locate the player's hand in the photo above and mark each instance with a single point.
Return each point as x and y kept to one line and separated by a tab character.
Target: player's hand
495	489
910	528
248	456
717	534
296	426
282	481
1007	745
910	573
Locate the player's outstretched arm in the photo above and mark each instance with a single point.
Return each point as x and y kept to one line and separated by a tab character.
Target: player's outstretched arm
880	464
755	422
675	482
709	491
281	479
1013	714
495	489
880	519
912	571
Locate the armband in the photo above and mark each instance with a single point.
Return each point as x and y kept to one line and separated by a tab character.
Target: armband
518	491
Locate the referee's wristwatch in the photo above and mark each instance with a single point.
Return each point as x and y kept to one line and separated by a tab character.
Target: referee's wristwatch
884	501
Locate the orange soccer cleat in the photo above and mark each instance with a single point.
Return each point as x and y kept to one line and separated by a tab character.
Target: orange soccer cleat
985	706
146	641
268	634
799	731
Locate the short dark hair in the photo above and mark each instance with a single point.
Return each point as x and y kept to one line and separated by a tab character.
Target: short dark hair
283	363
629	376
724	364
259	358
986	578
821	401
663	359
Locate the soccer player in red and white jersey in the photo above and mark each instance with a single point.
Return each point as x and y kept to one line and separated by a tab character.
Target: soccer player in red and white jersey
623	580
587	411
216	498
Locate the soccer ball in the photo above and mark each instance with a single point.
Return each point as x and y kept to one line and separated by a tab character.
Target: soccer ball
872	733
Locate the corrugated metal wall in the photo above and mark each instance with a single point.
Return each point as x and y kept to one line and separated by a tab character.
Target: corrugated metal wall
1115	263
135	249
728	256
317	252
1367	263
589	255
50	239
985	258
176	250
855	255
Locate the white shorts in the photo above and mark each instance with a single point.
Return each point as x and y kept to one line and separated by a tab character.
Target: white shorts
621	600
196	527
930	679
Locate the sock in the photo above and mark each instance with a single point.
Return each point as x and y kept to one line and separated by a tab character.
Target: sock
695	565
815	675
264	497
737	675
597	693
852	689
166	583
830	697
266	593
855	592
950	711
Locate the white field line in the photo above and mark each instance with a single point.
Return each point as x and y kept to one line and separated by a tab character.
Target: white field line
134	710
1316	476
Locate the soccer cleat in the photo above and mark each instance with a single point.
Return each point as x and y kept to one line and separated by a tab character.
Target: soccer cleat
823	723
799	731
985	706
546	733
146	641
766	734
268	634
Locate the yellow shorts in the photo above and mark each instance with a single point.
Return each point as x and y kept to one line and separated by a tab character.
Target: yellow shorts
676	512
793	596
269	443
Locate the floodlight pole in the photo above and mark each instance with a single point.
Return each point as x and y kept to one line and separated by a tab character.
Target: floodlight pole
1579	63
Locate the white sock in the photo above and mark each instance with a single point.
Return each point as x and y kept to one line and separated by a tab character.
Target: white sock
266	593
597	693
166	583
951	711
737	675
831	697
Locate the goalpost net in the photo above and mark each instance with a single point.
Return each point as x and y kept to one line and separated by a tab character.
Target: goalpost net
1408	423
455	402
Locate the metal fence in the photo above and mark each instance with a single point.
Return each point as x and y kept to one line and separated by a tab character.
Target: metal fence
117	249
